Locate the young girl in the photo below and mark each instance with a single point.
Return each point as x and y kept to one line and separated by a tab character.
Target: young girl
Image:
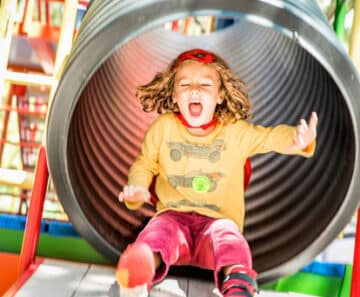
196	149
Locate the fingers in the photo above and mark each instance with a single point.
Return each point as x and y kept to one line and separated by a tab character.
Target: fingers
304	127
147	197
313	121
129	190
133	193
314	118
121	197
300	131
305	133
298	138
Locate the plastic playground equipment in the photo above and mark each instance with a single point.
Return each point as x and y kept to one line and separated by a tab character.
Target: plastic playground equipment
293	64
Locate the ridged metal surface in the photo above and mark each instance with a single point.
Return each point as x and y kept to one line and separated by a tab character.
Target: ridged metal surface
295	206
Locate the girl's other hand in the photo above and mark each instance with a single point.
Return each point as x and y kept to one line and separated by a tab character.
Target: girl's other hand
133	193
305	133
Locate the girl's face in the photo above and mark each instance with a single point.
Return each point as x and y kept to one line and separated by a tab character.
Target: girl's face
196	92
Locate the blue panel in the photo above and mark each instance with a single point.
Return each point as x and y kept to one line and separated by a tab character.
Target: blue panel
61	229
17	222
327	269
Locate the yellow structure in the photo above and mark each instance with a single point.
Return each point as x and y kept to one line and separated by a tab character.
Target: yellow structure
10	21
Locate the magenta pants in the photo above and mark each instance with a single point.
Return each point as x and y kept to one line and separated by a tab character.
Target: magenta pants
187	238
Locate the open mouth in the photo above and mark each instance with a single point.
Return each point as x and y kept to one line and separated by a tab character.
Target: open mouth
195	109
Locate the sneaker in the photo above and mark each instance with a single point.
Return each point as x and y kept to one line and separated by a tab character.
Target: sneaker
135	271
241	281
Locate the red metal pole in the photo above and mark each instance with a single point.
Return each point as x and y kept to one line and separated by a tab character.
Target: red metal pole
47	13
33	223
26	17
355	279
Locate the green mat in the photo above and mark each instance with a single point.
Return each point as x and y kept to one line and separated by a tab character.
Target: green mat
60	247
314	284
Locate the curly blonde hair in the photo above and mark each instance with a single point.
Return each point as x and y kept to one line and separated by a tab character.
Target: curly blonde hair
157	94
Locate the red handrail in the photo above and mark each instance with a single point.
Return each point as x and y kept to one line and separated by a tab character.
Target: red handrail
33	223
355	279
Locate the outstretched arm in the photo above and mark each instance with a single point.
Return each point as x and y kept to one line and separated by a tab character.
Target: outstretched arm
305	134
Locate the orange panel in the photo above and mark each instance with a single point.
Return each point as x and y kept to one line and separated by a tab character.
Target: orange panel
8	271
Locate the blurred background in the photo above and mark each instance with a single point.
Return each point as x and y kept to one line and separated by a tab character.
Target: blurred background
35	37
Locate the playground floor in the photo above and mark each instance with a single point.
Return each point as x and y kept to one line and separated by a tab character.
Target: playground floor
57	278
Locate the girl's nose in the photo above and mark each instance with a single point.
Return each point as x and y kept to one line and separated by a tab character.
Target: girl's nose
195	90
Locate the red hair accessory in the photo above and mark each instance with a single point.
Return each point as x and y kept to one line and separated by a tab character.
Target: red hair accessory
196	54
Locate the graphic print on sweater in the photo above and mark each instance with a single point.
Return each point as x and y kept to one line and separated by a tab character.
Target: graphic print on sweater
187	203
199	181
211	152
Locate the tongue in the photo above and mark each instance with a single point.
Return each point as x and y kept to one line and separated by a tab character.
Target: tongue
195	109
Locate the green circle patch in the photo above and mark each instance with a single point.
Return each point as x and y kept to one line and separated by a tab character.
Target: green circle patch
201	184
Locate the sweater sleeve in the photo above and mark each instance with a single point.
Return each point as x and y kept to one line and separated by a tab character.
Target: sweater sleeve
274	139
146	165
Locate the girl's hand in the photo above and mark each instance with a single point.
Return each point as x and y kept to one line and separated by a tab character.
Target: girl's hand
305	133
133	193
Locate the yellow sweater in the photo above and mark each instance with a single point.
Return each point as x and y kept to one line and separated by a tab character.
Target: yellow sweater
204	174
